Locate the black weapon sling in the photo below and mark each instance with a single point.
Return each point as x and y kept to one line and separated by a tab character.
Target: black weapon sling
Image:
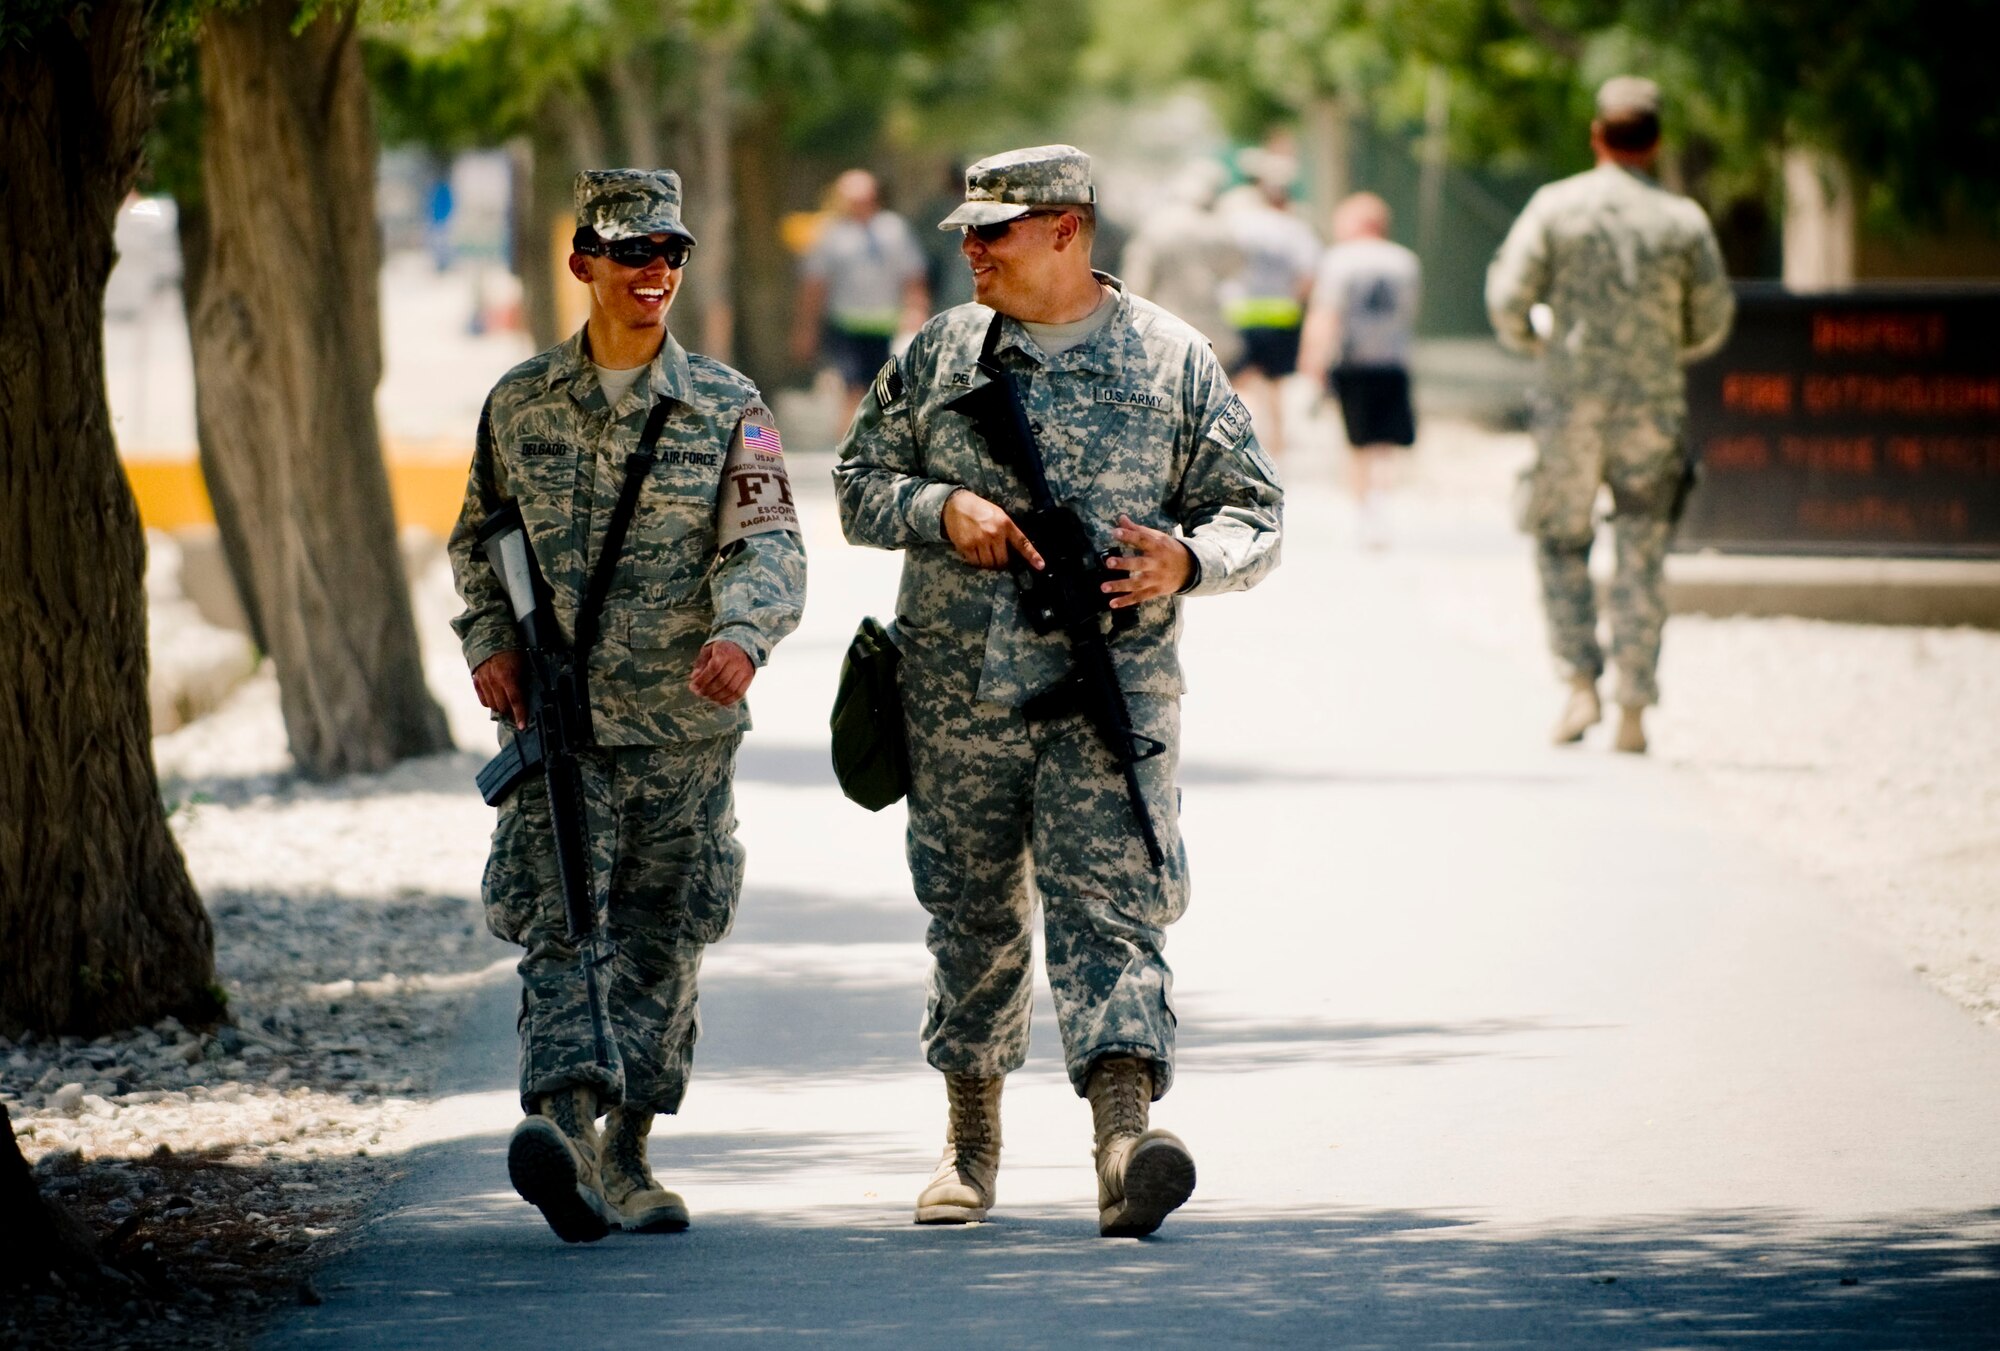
638	464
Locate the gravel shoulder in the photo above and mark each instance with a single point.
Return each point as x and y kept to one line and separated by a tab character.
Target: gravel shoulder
220	1166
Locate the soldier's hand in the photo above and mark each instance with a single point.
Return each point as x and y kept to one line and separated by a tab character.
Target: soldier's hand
722	673
501	683
983	533
1160	566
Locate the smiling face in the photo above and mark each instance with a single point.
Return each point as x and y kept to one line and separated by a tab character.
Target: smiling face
1016	272
629	297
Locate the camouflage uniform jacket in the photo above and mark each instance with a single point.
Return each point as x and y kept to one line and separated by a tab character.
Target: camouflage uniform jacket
1139	419
549	440
1634	279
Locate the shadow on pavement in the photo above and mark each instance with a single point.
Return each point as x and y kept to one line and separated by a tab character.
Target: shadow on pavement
1322	1277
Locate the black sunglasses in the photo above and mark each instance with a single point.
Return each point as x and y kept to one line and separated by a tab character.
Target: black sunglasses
639	251
999	228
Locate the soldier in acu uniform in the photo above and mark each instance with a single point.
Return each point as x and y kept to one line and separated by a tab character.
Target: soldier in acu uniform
1634	283
1144	439
711	576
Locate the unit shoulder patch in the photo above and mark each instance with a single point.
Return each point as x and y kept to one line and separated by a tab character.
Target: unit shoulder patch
1231	426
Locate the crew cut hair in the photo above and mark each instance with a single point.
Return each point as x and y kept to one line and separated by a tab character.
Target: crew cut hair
1632	131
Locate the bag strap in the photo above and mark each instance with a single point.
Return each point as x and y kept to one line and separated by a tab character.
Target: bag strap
637	465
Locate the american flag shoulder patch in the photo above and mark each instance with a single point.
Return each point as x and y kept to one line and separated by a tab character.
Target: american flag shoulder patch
764	440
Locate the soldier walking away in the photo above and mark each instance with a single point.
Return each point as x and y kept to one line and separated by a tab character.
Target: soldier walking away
1634	286
861	283
708	577
1043	750
1359	329
1266	299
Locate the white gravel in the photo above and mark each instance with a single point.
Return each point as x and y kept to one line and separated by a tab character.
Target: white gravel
1869	757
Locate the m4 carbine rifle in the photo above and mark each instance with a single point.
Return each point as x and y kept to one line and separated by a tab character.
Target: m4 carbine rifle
559	709
1067	595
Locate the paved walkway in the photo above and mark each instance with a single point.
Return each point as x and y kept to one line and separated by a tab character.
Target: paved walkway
1483	1043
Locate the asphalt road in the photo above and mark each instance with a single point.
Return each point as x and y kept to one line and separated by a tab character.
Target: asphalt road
1483	1043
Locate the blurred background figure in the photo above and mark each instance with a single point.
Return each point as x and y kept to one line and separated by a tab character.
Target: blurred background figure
949	278
1634	283
1358	332
861	283
1182	255
438	209
1265	301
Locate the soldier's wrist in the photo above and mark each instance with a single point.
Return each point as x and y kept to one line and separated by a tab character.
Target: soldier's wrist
1194	568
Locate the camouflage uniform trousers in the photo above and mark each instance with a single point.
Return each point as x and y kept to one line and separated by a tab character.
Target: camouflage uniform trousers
992	795
665	870
1637	453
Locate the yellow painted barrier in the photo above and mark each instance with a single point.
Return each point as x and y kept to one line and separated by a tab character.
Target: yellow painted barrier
426	483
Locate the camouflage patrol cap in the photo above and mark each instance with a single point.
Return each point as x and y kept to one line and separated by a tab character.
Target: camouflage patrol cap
1628	96
622	203
1007	186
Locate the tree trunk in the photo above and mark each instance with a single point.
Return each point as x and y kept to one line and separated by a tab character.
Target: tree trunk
287	349
712	209
100	926
40	1236
764	269
192	218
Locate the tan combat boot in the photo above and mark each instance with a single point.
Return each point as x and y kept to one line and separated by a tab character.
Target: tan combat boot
961	1190
643	1206
552	1162
1631	730
1142	1175
1581	711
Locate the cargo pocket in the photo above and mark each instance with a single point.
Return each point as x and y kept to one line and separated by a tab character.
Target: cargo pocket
520	869
716	879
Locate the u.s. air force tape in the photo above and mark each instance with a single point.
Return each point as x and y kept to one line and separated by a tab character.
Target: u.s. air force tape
756	497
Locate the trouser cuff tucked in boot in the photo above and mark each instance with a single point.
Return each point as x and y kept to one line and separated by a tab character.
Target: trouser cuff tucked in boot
962	1190
640	1203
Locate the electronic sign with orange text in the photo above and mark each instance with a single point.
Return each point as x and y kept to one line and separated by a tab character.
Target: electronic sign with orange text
1864	422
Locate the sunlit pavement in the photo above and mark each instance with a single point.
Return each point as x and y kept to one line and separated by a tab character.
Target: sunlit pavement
1482	1043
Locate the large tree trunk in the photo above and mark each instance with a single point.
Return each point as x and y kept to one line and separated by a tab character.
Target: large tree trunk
287	349
99	925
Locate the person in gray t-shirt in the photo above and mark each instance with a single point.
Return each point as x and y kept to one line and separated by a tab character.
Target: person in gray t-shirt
861	283
1359	328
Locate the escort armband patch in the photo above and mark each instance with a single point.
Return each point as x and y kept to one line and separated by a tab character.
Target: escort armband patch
889	386
756	496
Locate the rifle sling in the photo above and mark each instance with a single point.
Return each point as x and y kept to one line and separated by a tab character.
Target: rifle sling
637	465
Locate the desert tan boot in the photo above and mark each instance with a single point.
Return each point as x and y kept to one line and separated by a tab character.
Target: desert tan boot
961	1190
552	1162
1142	1175
1581	712
1631	736
643	1206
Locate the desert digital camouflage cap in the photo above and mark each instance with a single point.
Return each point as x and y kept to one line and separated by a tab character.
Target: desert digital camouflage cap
1628	96
1002	187
622	203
